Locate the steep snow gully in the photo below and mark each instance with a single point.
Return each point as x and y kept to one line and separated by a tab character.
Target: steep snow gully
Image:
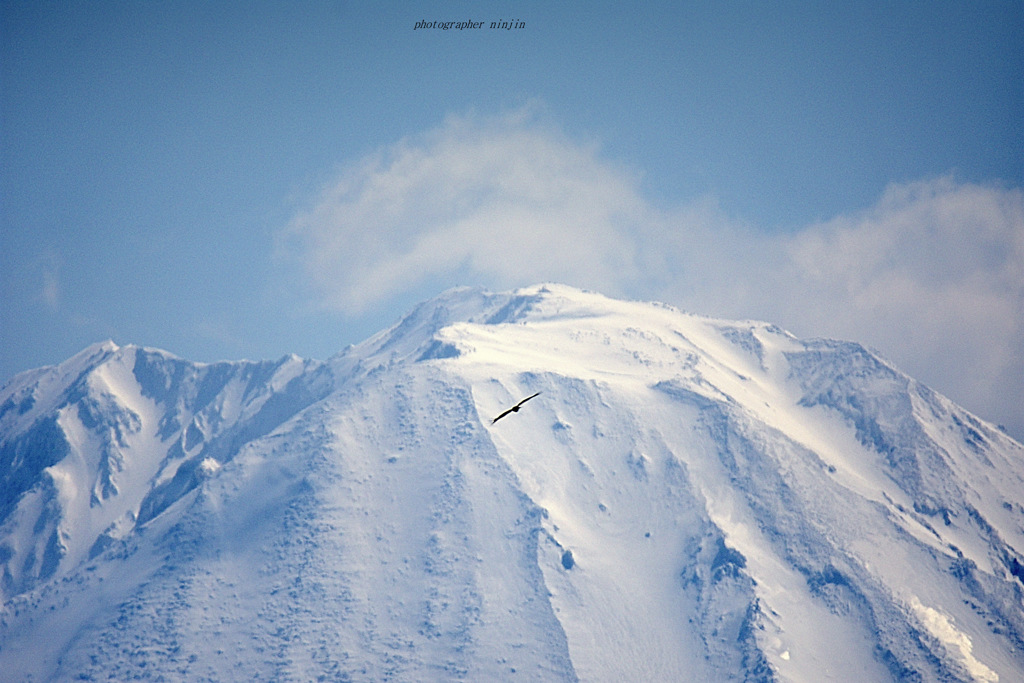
688	499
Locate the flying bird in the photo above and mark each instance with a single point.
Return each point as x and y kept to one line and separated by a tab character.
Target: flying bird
515	408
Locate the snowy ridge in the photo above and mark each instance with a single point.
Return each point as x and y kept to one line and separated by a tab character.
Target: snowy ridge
93	444
687	499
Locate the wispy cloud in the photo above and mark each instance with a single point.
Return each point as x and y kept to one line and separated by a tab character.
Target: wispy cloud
934	271
49	292
508	199
932	275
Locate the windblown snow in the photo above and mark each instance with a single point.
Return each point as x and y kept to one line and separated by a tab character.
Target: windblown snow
686	499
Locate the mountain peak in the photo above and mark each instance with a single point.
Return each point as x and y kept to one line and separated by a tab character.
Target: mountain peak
685	498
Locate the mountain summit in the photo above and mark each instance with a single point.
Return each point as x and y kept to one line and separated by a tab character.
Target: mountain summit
685	499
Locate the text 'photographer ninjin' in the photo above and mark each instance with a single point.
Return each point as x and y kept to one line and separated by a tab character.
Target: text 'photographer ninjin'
460	25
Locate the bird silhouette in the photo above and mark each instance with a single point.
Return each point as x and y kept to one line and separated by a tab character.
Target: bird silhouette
515	408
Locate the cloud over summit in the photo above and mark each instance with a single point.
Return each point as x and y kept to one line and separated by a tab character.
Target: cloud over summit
932	275
508	199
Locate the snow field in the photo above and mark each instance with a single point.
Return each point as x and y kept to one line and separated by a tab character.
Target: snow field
687	499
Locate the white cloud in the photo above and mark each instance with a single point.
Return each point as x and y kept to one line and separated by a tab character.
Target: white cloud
932	275
508	199
49	293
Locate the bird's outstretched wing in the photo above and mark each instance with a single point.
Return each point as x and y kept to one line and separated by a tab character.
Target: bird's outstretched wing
527	399
501	416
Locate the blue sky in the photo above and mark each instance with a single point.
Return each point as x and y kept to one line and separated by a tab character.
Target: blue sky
249	179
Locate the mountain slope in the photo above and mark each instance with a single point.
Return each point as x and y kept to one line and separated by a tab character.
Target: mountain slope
686	499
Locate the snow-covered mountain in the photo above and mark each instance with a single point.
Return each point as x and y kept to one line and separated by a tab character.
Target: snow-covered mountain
686	499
